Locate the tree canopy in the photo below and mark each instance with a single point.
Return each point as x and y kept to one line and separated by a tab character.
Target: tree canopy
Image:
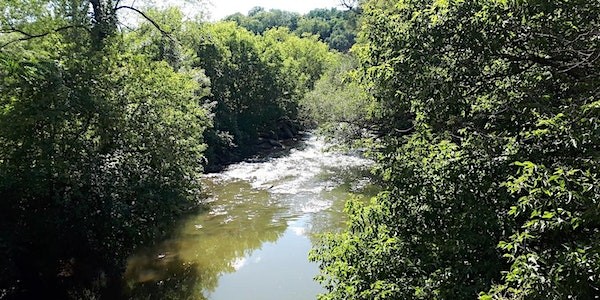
482	117
335	27
105	130
488	140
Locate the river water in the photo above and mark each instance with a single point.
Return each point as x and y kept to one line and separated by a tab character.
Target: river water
252	241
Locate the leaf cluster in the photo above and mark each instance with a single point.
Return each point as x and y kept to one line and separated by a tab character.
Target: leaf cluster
335	27
490	148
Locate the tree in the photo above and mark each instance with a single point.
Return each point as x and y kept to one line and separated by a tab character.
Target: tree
102	150
489	137
334	27
256	82
338	105
25	21
260	20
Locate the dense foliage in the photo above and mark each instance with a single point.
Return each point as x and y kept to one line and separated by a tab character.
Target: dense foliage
104	130
244	92
483	116
338	105
490	151
256	83
101	150
335	27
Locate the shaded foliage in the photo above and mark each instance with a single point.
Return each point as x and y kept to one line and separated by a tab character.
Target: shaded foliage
101	149
97	159
490	150
103	130
256	81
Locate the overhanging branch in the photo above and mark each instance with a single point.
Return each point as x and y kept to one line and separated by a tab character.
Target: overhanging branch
29	36
156	25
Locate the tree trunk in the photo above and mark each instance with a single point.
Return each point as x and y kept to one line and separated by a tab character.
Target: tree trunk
104	22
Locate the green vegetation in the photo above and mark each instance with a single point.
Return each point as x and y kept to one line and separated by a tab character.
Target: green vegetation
104	130
487	121
335	27
482	116
100	152
338	105
256	83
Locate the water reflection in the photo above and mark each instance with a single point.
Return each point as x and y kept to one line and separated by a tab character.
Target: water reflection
188	265
253	241
279	270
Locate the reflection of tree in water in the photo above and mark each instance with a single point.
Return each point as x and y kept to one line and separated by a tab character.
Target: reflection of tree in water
164	279
240	221
354	182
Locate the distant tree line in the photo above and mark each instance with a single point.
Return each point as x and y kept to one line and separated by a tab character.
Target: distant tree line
335	27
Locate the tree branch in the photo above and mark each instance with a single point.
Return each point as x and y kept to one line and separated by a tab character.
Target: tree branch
156	25
349	4
29	36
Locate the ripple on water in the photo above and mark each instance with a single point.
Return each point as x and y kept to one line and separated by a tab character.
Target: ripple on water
308	171
261	215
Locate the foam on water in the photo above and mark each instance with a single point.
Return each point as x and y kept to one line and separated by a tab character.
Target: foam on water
307	171
253	240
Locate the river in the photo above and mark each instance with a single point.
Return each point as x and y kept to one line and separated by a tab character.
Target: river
252	241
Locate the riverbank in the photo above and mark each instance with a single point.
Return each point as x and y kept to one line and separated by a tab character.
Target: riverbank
285	134
262	218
